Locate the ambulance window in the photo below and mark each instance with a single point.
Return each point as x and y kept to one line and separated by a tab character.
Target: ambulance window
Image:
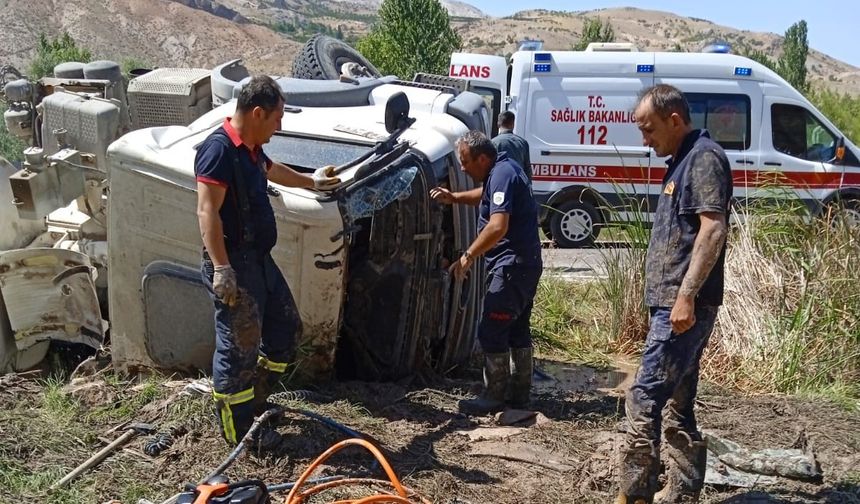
725	116
798	133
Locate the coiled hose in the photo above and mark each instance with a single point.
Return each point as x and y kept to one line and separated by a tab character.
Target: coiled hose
403	495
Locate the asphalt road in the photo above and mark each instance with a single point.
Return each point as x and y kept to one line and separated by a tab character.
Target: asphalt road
580	264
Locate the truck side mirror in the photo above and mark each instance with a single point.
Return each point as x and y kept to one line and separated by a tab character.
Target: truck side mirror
396	112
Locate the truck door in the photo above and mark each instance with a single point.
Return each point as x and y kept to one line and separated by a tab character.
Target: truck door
731	112
801	147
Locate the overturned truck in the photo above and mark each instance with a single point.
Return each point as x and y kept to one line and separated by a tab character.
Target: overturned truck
100	241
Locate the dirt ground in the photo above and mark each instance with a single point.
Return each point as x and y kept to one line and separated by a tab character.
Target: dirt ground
570	455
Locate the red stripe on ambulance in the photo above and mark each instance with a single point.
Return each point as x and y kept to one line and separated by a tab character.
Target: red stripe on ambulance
643	175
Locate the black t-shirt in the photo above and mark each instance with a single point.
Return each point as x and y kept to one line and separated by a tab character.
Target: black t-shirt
214	165
698	180
507	190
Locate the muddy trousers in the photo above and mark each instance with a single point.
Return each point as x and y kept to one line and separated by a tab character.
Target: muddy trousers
667	377
254	339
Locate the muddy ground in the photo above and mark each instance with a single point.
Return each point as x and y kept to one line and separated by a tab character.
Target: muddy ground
416	424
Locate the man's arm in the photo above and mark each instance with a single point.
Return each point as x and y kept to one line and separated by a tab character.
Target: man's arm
706	251
209	200
495	230
282	174
471	197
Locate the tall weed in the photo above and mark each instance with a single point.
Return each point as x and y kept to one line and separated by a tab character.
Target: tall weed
791	317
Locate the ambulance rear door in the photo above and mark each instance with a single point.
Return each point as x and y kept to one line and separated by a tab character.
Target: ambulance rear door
487	76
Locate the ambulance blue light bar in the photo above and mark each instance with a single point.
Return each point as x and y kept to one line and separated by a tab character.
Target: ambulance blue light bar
645	68
544	57
743	71
543	67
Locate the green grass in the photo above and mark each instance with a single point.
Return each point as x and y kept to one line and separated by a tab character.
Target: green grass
130	398
565	321
791	318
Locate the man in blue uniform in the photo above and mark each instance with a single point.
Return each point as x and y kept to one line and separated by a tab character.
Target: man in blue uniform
508	238
256	320
683	289
516	147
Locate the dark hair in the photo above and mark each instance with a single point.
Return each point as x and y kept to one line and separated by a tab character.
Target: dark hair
666	100
262	91
478	144
506	119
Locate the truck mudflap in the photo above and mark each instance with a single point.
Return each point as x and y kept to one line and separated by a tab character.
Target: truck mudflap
48	295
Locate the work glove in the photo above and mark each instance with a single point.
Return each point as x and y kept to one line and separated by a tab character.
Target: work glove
324	178
224	284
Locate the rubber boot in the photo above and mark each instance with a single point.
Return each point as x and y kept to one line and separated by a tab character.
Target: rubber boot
686	465
638	467
492	398
522	367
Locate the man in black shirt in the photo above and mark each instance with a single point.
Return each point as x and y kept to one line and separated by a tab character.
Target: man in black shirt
516	146
683	289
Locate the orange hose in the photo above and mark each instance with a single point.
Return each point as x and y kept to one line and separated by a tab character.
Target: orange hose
297	497
384	498
328	485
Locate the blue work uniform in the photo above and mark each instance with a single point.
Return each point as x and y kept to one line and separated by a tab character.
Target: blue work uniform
261	329
514	264
698	180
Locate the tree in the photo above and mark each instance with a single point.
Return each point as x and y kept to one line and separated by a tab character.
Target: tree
594	30
11	148
760	57
412	36
49	53
792	64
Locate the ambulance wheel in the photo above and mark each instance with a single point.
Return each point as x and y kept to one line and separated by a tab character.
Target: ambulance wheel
322	58
576	224
845	211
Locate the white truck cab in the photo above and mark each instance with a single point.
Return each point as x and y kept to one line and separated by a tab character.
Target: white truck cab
101	244
575	108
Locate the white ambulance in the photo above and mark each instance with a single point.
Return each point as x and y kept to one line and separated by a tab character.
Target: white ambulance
575	108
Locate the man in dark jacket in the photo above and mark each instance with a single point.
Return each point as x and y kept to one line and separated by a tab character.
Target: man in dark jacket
516	146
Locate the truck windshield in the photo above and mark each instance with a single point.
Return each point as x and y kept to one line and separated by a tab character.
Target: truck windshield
306	154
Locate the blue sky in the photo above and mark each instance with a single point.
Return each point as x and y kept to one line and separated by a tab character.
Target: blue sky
833	24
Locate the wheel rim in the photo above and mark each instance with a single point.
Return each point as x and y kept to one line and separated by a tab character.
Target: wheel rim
849	216
577	225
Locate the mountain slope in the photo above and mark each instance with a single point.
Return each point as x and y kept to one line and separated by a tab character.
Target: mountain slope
268	34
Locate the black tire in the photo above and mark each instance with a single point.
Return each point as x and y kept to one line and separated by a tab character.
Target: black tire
575	224
322	57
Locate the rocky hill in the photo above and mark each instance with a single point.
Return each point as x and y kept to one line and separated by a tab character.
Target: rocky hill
268	33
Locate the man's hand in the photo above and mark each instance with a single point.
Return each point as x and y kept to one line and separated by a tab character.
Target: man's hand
460	267
442	195
683	314
324	178
224	284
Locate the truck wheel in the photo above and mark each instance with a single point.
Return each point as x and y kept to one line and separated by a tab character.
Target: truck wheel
574	224
323	56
